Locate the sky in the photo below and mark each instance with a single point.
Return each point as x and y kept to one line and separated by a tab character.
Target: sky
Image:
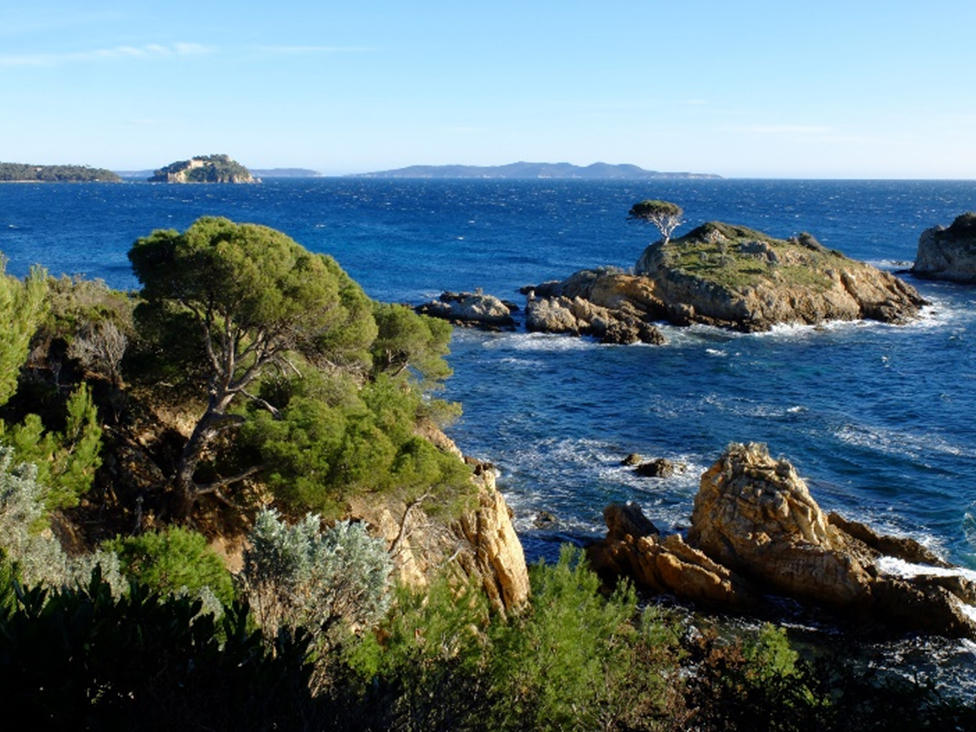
738	88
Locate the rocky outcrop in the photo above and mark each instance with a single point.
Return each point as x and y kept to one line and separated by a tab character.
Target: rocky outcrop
471	309
732	277
634	549
761	533
481	545
592	303
948	253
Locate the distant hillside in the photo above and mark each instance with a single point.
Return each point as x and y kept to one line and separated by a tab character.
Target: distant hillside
596	171
204	169
23	172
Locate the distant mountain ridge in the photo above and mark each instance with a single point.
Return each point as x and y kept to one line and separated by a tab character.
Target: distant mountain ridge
596	171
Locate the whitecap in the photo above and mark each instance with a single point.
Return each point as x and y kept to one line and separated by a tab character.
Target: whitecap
900	568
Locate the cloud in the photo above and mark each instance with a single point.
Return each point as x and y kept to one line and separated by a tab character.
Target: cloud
312	50
101	54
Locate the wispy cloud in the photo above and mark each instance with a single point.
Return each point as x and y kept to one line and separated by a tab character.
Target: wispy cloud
312	50
149	51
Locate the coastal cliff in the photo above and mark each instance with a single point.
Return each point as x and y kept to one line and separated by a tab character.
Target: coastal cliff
948	253
204	169
731	277
481	544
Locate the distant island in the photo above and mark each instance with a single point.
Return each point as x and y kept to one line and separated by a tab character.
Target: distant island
204	169
26	173
596	171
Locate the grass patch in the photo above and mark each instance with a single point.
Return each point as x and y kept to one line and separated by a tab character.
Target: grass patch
739	258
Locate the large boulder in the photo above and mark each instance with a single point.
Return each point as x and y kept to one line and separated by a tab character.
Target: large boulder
471	309
948	254
757	532
634	549
754	515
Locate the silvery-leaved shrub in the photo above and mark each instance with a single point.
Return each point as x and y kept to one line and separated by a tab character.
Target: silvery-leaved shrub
301	576
26	542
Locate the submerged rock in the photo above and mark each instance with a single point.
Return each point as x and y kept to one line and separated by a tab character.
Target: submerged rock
761	532
948	254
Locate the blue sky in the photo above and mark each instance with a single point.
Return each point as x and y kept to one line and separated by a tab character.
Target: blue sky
834	88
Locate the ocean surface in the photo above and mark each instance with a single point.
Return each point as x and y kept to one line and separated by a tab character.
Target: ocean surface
878	419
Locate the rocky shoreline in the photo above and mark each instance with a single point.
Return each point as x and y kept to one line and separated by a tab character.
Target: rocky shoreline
757	535
718	274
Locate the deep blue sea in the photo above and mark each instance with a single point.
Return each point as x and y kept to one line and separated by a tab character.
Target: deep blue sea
879	419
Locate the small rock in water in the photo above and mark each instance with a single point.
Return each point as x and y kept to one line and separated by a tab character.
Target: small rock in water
544	520
658	468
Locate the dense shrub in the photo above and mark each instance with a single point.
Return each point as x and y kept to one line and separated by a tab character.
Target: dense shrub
325	581
330	440
85	660
28	549
175	561
66	460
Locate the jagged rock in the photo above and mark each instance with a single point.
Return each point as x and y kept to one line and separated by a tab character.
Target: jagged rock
632	460
481	544
544	520
471	309
755	515
496	553
627	518
583	305
634	549
755	530
948	254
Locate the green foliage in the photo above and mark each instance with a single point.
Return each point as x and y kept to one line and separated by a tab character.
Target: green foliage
94	321
175	561
428	667
736	257
576	660
407	340
34	555
664	215
251	297
84	659
21	310
331	440
66	461
328	582
251	291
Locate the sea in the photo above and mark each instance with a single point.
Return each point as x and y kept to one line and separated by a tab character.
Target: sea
878	419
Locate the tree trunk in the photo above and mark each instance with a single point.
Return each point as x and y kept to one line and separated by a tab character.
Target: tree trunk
204	431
